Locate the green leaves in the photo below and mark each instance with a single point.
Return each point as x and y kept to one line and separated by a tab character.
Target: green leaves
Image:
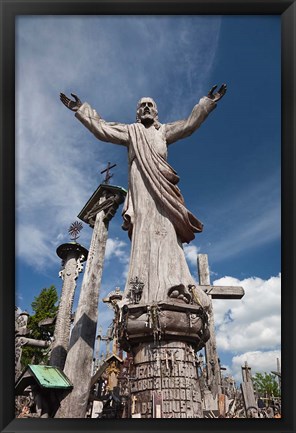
266	385
44	307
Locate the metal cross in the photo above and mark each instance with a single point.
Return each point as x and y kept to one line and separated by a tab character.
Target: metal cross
107	171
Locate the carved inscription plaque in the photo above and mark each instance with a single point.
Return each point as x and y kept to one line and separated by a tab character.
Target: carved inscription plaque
168	371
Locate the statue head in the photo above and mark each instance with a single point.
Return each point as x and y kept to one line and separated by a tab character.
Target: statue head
147	111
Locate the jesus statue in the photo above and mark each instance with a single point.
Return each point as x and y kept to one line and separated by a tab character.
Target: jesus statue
154	212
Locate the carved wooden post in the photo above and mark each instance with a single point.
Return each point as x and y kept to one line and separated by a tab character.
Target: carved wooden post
100	208
166	384
163	338
248	393
21	321
72	255
214	292
212	363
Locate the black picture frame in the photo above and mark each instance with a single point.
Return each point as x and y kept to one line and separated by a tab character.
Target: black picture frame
9	10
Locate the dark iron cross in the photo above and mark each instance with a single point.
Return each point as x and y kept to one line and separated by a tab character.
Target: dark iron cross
107	171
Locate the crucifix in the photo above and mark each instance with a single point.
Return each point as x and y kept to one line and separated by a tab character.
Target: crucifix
111	300
107	171
134	399
214	292
246	373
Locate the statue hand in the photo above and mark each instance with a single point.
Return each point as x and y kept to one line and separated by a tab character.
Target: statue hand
72	105
218	95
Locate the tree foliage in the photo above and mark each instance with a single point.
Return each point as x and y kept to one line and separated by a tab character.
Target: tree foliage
44	306
266	385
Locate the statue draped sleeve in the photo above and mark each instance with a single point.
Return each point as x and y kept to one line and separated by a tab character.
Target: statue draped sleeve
184	128
112	132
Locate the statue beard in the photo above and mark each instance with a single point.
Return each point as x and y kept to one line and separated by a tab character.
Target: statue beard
149	121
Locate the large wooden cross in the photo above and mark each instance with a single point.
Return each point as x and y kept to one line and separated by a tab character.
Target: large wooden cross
214	292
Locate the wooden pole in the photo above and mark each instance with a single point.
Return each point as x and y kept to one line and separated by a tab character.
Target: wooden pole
78	366
98	211
212	362
72	255
214	292
279	373
248	393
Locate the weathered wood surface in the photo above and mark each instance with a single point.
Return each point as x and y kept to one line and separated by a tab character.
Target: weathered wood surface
223	292
154	212
212	362
248	396
35	343
168	321
222	404
73	255
214	292
78	366
21	322
248	389
166	382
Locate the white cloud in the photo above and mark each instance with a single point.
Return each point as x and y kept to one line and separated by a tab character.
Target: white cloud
259	361
252	323
34	247
191	252
116	248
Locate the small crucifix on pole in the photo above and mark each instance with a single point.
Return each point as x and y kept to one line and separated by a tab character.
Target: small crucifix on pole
107	171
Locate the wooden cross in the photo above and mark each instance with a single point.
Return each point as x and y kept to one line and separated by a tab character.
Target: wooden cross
108	340
214	292
246	373
248	389
107	171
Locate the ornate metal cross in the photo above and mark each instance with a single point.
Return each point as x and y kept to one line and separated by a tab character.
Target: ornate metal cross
74	230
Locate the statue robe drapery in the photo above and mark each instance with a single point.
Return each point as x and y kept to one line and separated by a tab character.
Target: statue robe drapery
154	212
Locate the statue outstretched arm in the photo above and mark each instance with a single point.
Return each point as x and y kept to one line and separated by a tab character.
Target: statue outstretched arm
111	132
184	128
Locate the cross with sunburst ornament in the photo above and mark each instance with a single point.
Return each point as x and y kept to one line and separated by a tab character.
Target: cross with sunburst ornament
74	230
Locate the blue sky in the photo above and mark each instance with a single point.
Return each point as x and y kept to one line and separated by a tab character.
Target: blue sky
229	169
